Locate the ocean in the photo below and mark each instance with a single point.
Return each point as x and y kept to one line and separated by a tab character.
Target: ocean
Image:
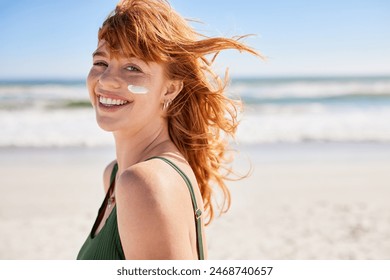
57	113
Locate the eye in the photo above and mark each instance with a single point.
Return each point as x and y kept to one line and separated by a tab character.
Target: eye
100	63
133	68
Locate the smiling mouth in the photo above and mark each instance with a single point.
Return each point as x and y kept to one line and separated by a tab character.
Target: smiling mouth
110	102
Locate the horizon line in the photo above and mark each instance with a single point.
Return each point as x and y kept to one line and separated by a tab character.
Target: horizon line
235	77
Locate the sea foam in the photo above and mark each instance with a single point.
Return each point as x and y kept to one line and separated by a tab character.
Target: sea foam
58	114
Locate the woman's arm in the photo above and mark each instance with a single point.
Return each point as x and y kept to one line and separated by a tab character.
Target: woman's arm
154	212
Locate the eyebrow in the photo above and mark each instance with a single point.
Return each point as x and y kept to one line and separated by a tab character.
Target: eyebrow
99	53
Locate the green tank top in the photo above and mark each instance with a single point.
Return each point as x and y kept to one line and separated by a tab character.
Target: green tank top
106	244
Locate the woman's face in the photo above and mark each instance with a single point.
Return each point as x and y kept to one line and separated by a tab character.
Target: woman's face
110	82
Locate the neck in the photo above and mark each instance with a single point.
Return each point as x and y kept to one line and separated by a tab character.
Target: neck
131	149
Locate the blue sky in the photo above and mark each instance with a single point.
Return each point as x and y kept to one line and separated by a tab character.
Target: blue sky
55	39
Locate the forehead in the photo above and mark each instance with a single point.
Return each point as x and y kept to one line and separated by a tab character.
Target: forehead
104	49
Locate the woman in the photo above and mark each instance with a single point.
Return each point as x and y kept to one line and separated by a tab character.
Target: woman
152	87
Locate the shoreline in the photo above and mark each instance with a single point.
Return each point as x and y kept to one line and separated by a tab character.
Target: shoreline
270	151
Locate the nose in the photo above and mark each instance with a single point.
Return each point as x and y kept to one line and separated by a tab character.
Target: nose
109	79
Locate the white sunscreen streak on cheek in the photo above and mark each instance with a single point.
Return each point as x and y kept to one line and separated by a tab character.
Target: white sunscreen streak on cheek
137	89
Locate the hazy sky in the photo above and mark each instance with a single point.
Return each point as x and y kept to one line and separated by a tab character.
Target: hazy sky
55	39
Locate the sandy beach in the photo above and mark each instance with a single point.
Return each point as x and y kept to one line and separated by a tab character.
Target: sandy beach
302	201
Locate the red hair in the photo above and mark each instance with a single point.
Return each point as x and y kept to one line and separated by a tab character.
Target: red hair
201	118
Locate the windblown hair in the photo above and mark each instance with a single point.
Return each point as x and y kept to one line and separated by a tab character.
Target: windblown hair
201	118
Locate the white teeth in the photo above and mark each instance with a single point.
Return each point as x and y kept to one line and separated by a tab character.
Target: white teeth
109	101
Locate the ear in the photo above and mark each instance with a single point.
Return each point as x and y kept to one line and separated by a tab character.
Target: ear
174	87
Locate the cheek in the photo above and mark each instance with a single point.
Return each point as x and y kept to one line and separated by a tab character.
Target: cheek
91	82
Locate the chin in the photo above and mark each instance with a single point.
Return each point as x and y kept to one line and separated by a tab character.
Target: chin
106	127
105	123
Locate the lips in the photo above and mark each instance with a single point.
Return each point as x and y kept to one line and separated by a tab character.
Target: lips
110	100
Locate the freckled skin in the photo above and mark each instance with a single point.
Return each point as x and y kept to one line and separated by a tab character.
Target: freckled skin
110	77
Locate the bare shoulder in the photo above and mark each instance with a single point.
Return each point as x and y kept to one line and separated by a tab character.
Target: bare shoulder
107	175
153	180
146	183
153	209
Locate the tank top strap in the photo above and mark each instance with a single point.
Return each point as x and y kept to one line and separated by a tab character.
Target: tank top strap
113	173
197	211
